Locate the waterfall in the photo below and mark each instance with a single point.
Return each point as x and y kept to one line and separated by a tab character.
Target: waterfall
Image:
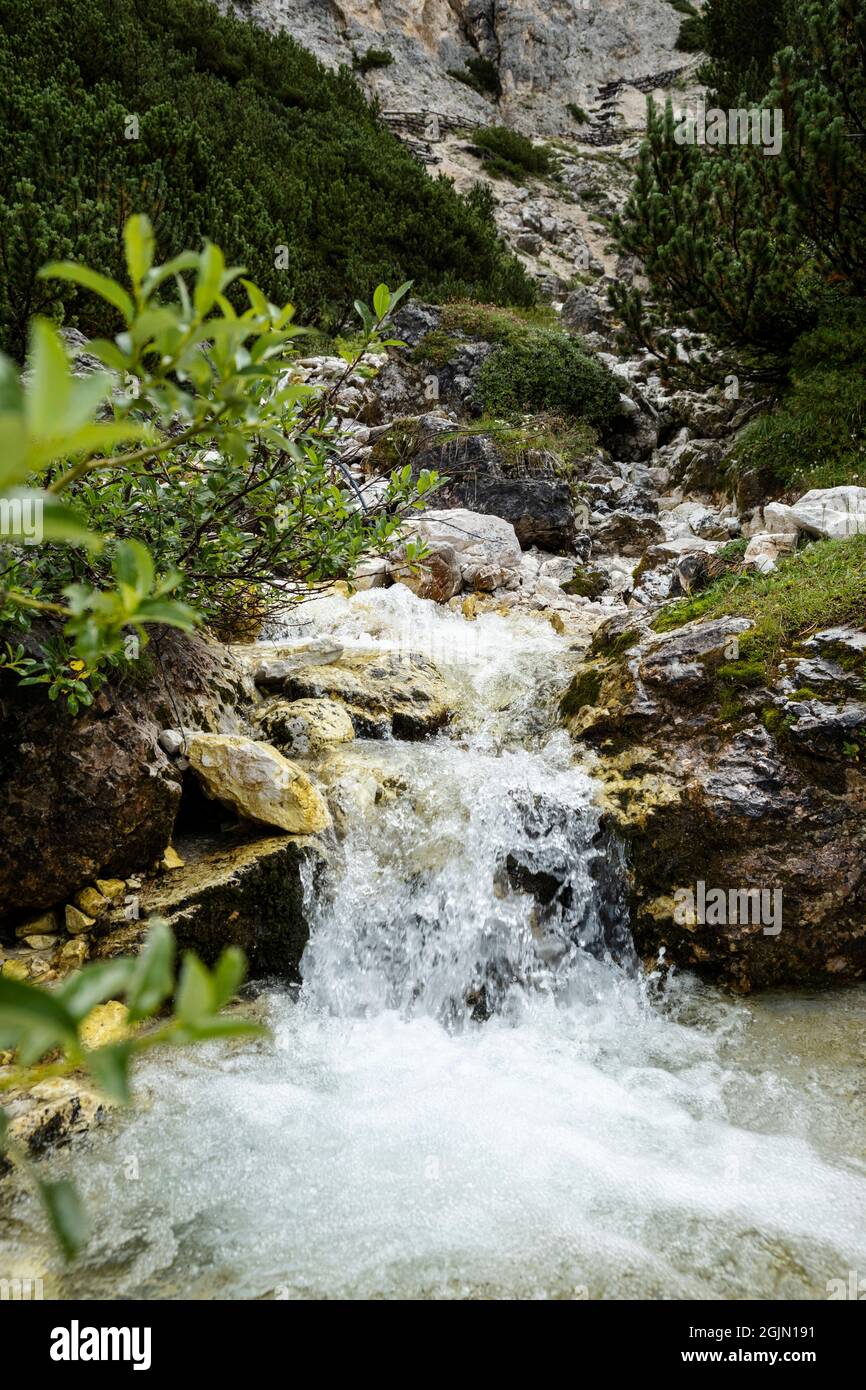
477	1091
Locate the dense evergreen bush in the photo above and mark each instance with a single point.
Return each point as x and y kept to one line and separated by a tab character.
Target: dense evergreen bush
511	154
212	126
547	371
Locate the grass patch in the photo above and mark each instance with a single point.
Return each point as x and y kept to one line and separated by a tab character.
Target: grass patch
823	585
436	348
494	324
569	442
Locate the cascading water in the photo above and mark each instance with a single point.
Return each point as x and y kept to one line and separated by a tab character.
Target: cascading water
477	1092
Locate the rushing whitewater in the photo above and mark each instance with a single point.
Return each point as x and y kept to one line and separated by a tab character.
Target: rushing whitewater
477	1092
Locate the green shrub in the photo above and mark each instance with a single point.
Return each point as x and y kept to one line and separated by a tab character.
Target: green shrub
511	154
373	58
577	112
548	371
236	134
481	74
816	436
191	480
496	324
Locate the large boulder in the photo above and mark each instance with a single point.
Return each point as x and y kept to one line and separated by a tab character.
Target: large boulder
539	509
304	726
257	782
833	512
96	794
437	576
385	693
723	781
230	891
487	547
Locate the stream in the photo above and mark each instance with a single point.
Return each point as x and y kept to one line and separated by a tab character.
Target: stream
477	1092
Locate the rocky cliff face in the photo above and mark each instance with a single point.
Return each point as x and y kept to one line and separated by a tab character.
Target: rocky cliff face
547	52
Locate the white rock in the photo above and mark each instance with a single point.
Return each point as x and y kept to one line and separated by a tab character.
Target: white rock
764	549
371	573
487	547
833	512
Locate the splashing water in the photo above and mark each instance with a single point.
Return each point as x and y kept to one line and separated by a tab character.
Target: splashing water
477	1092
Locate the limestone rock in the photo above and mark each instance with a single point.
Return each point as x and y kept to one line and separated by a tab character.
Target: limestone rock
105	1024
256	781
834	512
77	921
487	547
397	693
765	548
437	576
304	726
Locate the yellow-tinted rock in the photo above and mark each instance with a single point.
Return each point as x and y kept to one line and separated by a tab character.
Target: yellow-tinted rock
72	954
305	726
43	925
41	943
111	888
91	903
105	1024
257	782
15	969
170	859
77	921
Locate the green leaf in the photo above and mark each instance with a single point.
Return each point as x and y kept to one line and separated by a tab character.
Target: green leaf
50	383
195	996
94	984
89	279
153	977
209	282
133	565
139	245
381	300
168	611
109	1067
31	1018
66	1214
228	975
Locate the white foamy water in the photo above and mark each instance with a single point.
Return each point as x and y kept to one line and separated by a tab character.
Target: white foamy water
476	1092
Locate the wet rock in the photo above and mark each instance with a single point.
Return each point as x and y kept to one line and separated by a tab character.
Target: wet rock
97	794
722	801
232	891
257	782
437	576
53	1112
271	664
304	726
403	694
